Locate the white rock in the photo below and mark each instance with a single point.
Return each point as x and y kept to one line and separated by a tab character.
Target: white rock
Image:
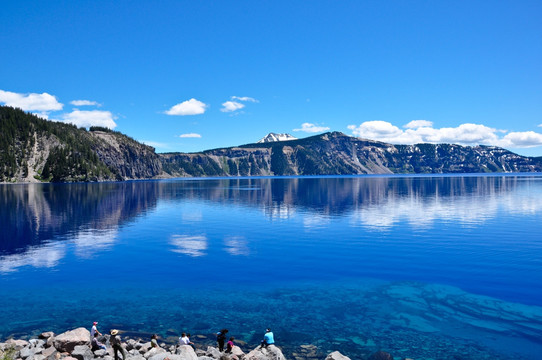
337	356
270	353
186	352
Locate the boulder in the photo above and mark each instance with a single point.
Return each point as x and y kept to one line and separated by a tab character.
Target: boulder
269	353
46	335
66	342
186	352
27	351
37	343
16	344
205	358
337	356
36	357
82	352
213	352
49	353
100	353
160	356
237	351
152	352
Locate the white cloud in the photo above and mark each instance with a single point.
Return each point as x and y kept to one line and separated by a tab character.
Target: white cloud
155	144
190	135
414	124
82	118
39	102
422	131
522	139
230	106
188	107
312	128
85	103
244	98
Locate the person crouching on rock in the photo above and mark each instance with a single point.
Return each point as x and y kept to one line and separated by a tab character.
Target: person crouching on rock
116	344
95	344
230	345
154	341
267	339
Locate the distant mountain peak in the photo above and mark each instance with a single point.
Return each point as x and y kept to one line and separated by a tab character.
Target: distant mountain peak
272	137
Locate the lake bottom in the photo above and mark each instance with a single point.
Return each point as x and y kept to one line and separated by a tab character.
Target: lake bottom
355	317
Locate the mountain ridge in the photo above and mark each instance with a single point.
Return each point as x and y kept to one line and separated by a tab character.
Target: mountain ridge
37	150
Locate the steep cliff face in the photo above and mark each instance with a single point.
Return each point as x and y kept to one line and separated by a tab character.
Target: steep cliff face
338	154
34	150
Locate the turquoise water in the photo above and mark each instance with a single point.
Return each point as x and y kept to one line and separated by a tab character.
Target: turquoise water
428	267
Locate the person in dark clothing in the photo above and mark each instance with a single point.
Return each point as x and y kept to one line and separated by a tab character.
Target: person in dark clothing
114	340
220	338
95	344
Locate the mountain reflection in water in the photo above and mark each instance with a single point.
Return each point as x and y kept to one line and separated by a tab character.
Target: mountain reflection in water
379	262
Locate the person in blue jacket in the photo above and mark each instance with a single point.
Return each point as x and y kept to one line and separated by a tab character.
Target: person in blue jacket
268	338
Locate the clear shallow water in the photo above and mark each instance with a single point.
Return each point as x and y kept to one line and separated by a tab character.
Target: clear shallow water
426	267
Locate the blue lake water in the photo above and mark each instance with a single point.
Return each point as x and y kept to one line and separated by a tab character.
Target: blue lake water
427	267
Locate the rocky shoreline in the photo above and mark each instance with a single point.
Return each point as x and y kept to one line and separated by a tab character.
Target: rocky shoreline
75	345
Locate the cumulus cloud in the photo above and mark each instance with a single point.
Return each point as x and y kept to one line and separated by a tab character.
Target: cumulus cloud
414	124
38	102
82	118
422	131
188	107
85	103
522	139
190	135
244	98
312	128
230	106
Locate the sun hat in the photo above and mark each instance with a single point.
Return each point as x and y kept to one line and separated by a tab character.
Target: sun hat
95	323
114	332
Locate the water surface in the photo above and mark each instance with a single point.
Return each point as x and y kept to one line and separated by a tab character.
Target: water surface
426	267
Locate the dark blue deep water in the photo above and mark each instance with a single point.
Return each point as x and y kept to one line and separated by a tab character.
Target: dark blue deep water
427	267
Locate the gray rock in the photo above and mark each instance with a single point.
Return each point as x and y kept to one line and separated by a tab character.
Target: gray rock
160	356
136	357
82	352
50	342
337	356
46	335
37	343
186	352
108	357
49	353
205	358
36	357
152	352
237	351
213	352
144	347
66	342
16	344
100	353
26	352
270	353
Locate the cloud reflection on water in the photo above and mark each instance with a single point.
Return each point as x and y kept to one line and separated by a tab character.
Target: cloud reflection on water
191	245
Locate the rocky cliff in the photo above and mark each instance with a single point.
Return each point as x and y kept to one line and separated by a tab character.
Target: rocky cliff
33	149
338	154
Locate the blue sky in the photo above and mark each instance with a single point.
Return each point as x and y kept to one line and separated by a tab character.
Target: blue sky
189	76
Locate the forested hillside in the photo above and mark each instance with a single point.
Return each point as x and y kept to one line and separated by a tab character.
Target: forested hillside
33	149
